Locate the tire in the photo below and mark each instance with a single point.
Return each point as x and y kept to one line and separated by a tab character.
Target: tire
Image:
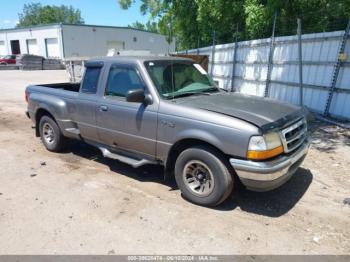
51	135
201	161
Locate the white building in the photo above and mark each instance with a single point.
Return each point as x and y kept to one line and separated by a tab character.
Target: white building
66	40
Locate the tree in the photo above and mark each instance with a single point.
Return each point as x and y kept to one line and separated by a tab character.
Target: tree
37	14
149	26
316	15
256	19
223	16
193	21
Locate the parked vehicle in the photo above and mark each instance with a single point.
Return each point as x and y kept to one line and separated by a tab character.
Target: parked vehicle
168	111
8	60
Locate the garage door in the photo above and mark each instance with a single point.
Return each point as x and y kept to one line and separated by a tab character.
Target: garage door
32	47
2	48
52	47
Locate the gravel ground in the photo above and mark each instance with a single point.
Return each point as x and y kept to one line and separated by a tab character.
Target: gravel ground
80	203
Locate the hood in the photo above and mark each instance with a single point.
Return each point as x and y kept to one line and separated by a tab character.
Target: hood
265	113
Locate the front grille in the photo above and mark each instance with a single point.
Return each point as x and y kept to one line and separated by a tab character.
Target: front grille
294	135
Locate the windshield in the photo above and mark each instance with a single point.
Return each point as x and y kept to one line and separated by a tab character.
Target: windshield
178	78
9	57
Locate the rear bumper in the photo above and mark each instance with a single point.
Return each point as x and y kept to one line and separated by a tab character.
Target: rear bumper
265	176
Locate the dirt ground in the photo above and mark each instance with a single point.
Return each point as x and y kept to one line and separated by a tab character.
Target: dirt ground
80	203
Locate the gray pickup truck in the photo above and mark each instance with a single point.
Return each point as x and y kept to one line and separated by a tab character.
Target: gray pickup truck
168	111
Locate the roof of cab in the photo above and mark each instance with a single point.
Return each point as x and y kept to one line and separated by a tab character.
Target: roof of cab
138	58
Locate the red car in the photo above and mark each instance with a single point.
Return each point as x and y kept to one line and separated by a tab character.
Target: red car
8	60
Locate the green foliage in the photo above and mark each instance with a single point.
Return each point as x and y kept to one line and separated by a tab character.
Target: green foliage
149	26
125	4
256	19
192	22
37	14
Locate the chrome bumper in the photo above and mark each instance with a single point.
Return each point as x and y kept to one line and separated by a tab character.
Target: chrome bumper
264	176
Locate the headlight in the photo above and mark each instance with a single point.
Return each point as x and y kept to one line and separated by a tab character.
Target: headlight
263	147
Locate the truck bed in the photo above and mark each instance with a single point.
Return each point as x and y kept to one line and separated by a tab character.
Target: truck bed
74	87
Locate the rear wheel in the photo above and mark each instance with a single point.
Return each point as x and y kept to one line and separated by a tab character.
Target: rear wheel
51	134
203	176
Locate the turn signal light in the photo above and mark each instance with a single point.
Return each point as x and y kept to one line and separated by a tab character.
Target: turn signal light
260	155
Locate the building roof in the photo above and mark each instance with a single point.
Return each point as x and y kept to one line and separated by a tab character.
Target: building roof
55	25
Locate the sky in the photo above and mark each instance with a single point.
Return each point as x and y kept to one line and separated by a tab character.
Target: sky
96	12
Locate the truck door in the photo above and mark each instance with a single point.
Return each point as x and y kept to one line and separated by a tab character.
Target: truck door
86	102
126	126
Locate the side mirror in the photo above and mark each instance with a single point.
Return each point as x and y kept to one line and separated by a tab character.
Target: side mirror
138	96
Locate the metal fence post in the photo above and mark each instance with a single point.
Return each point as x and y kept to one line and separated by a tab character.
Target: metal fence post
234	61
269	65
337	69
212	55
73	71
301	101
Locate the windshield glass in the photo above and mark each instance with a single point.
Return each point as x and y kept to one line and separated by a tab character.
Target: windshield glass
178	78
9	57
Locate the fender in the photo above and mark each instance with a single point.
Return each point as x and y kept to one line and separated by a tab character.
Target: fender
198	134
58	108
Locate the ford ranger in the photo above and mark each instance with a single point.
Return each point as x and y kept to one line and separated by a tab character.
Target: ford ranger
168	111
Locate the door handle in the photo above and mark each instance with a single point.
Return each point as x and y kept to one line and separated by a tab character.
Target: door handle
103	108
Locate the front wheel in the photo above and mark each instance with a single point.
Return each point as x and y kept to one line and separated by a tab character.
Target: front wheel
202	175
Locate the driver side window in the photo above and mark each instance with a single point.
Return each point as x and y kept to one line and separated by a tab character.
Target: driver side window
122	79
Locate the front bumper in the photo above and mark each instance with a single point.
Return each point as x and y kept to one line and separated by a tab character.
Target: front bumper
265	176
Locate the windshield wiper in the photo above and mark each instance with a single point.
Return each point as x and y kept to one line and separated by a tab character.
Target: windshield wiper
212	88
188	94
207	92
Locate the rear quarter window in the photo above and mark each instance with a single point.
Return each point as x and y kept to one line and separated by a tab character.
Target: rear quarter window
90	81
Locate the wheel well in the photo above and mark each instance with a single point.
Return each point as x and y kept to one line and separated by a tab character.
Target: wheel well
39	114
180	146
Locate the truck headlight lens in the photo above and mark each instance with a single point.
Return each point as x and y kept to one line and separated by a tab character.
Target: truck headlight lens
264	147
